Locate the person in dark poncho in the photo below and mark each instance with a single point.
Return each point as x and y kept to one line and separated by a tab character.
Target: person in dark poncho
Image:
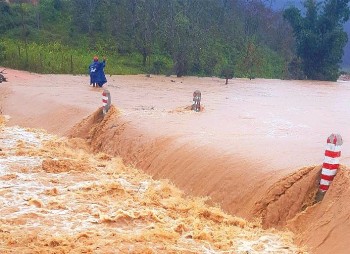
97	74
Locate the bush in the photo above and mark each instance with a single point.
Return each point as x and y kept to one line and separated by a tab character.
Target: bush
2	52
158	67
227	73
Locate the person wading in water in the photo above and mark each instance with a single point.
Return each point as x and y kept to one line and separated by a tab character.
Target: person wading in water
97	74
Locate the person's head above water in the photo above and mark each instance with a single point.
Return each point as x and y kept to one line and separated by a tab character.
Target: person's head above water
95	58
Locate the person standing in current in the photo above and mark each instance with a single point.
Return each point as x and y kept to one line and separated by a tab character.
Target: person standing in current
97	74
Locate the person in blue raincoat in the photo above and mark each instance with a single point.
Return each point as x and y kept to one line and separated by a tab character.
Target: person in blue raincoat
97	74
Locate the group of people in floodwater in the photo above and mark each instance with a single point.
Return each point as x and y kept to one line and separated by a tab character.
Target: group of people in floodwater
97	73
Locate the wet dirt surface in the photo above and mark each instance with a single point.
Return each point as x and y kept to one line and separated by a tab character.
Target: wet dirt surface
249	136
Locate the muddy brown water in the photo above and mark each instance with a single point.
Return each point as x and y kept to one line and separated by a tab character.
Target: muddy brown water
249	136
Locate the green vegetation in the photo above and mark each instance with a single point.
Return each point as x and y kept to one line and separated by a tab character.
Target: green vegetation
57	58
320	37
181	37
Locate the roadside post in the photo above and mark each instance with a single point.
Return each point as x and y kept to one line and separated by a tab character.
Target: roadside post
2	77
330	164
106	101
196	106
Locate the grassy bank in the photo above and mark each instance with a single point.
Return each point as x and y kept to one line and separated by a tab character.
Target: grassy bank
59	59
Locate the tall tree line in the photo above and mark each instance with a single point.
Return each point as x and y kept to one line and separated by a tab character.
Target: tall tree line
200	37
320	36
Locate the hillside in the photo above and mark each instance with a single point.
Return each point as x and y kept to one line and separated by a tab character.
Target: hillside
167	37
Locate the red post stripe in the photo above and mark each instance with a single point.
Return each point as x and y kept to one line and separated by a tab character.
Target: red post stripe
103	93
105	101
332	158
324	187
332	154
328	178
330	166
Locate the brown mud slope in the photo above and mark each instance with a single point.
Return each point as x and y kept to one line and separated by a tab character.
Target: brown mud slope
325	227
289	201
199	171
288	197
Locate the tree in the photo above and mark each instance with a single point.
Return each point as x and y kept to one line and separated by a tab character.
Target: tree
82	13
6	17
144	14
181	36
227	73
252	60
320	37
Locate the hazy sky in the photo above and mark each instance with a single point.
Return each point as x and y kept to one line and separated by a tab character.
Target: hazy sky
281	4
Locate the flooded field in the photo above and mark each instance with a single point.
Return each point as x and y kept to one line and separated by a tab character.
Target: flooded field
255	150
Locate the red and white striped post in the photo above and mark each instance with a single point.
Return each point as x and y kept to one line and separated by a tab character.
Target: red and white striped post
197	101
330	163
106	101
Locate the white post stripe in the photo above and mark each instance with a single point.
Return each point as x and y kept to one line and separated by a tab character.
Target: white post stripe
106	101
333	147
325	182
331	160
328	172
331	165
